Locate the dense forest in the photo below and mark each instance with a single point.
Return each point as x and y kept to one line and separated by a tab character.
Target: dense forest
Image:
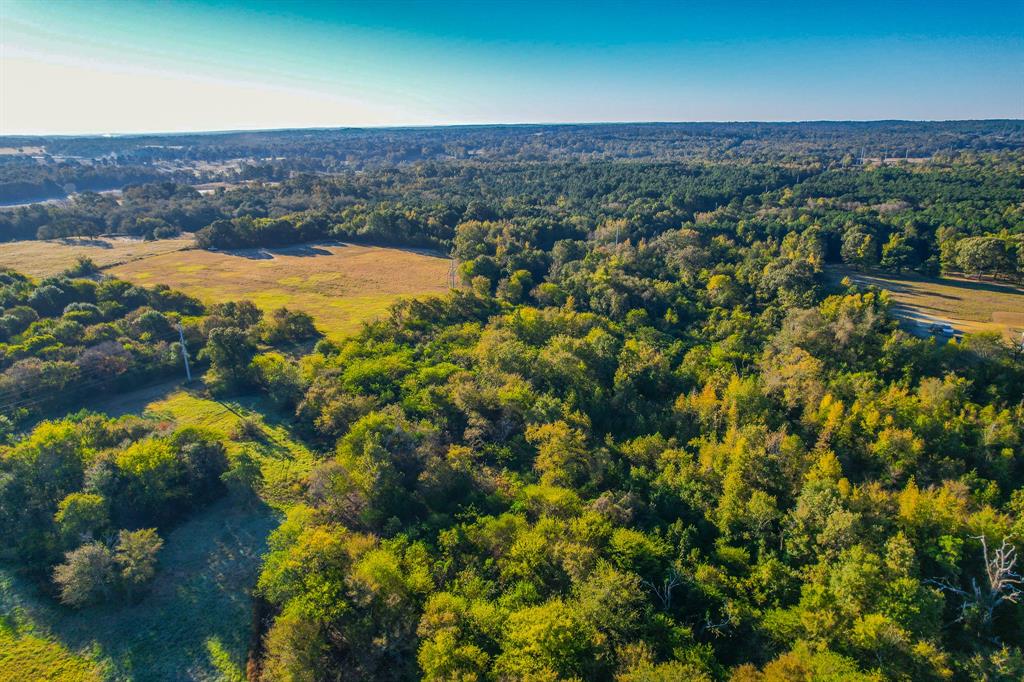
330	148
24	179
961	215
649	436
52	167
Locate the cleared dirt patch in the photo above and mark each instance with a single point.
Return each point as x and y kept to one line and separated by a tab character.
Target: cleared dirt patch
340	285
969	305
21	151
44	258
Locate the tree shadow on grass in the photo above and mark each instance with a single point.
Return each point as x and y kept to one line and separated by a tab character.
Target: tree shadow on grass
905	287
250	254
978	285
909	284
301	250
311	249
85	241
200	601
134	402
269	252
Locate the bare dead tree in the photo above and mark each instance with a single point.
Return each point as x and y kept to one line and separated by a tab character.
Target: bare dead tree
1002	583
664	591
716	629
1003	579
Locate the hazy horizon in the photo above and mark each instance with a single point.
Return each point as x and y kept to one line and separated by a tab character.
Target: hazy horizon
517	124
124	67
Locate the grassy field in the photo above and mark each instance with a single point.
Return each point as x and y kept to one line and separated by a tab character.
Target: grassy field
340	285
41	258
194	624
283	461
971	306
24	656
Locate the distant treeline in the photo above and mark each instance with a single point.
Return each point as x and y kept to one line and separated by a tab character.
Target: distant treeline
419	205
24	180
333	149
963	216
152	210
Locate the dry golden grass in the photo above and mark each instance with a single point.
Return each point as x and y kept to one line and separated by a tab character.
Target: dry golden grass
970	305
43	258
340	285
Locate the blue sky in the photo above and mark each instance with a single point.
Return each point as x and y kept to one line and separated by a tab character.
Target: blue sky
123	66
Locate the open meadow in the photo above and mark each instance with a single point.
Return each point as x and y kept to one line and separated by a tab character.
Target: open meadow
213	558
969	305
340	285
45	258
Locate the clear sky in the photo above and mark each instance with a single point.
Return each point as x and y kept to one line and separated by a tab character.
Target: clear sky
123	66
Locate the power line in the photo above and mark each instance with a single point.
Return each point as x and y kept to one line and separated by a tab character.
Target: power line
140	371
97	381
184	351
86	379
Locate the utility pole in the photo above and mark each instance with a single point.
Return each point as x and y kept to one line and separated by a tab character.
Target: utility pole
184	352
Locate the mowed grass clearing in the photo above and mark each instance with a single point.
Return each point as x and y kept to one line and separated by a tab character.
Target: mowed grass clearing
284	461
45	258
24	656
194	624
971	306
340	285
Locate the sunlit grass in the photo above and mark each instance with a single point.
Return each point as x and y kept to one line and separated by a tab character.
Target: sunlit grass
969	305
284	461
26	656
341	286
45	258
224	662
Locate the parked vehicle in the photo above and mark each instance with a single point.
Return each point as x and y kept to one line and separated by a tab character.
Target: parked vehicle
942	328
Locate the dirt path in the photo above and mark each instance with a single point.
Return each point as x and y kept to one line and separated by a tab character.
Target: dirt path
134	402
